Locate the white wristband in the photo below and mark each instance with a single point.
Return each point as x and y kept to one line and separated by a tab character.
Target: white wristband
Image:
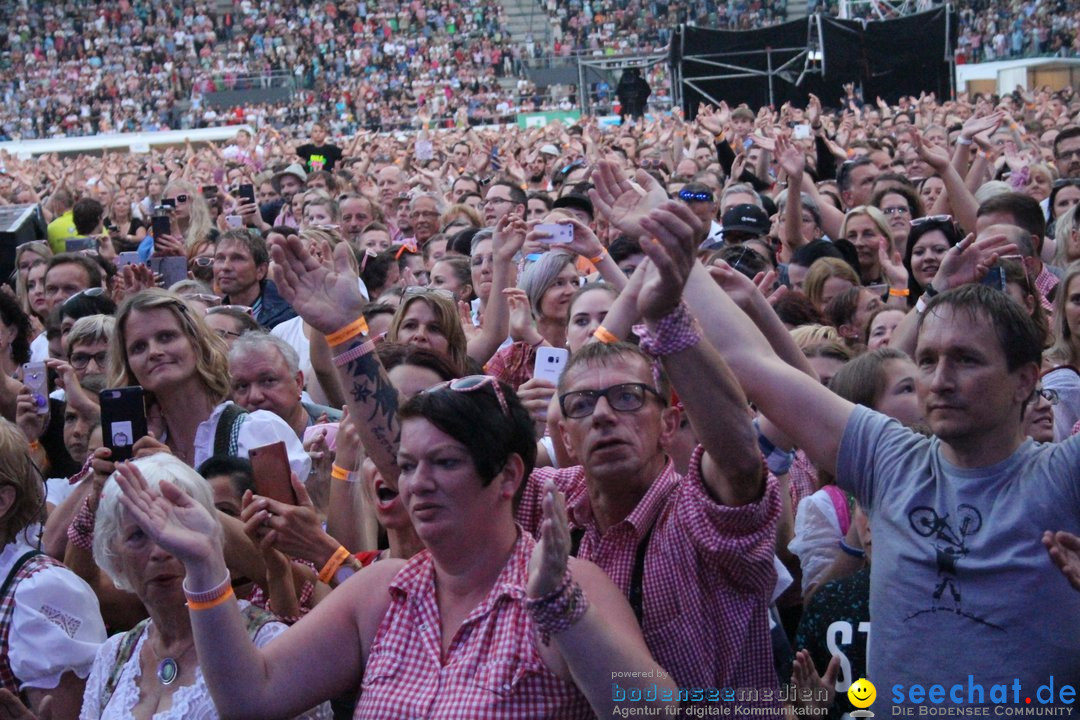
961	140
920	304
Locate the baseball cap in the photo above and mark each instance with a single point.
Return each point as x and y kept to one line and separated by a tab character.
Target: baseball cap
746	218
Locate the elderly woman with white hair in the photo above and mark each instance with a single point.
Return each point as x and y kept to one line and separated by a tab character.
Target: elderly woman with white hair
152	671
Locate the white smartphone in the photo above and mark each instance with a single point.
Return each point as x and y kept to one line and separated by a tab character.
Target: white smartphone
127	258
801	132
550	362
560	233
36	378
234	221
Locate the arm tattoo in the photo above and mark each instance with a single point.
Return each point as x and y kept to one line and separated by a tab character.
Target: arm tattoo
371	389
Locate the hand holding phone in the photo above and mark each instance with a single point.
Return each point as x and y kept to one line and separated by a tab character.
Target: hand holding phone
36	378
556	233
272	474
123	420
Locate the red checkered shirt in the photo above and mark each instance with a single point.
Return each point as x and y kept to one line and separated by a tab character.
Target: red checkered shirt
1045	283
492	669
804	479
708	572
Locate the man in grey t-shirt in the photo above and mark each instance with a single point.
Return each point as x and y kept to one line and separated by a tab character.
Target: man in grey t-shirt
963	594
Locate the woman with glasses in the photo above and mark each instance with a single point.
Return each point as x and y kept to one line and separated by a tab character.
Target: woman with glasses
900	205
1062	361
162	344
201	260
484	623
230	322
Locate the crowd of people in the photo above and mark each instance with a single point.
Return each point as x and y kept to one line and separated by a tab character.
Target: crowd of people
93	67
540	423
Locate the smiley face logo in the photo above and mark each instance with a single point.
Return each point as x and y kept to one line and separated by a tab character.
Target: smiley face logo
862	693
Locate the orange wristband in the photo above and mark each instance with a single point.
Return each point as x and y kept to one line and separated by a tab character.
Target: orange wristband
605	336
897	292
207	604
356	327
340	555
596	260
338	473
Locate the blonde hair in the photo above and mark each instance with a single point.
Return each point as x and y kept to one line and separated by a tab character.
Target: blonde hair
18	471
461	210
43	251
1064	227
871	212
820	271
446	314
211	361
807	336
1064	351
199	222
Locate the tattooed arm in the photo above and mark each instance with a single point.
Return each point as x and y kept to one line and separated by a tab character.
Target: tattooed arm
328	300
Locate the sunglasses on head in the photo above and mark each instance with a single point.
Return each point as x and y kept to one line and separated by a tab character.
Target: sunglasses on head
89	292
1057	184
470	383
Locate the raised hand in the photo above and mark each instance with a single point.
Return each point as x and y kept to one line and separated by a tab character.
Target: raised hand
892	266
295	530
676	234
709	120
547	566
522	325
741	289
976	125
1064	549
935	157
508	237
804	676
622	201
813	110
791	158
181	526
969	261
327	299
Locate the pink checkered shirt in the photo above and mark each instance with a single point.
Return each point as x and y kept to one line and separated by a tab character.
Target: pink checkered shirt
1045	283
708	572
804	479
492	670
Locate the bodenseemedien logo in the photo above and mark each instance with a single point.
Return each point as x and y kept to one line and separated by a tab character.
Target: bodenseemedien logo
862	694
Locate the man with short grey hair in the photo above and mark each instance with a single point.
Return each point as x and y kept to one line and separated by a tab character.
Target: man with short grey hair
266	375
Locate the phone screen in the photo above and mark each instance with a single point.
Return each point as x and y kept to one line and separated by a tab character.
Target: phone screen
123	419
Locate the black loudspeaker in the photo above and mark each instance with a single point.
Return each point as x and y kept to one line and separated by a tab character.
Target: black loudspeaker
18	224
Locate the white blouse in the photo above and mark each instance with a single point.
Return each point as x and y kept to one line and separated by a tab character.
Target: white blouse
259	428
189	702
56	625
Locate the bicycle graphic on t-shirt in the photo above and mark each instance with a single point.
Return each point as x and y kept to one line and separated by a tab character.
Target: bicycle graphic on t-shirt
950	547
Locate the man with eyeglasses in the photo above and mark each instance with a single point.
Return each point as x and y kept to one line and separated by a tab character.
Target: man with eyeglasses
693	553
503	197
424	212
1067	152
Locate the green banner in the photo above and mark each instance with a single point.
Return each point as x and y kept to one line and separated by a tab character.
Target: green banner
540	119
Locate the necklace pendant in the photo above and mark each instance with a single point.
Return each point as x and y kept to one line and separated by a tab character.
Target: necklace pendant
167	670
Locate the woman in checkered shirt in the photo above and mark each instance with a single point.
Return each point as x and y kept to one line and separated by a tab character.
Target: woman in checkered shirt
485	623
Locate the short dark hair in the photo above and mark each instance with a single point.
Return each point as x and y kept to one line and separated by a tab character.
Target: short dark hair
623	247
13	316
1019	336
1024	209
86	215
843	175
93	269
238	470
82	305
517	195
391	355
795	309
1067	134
252	241
476	420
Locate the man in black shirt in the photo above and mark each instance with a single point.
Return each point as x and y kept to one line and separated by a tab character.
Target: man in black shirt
317	155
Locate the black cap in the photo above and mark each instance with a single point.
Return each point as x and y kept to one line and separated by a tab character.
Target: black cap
746	218
575	201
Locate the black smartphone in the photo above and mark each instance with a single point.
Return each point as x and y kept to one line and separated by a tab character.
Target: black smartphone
209	190
160	225
123	419
271	472
247	192
168	203
171	268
